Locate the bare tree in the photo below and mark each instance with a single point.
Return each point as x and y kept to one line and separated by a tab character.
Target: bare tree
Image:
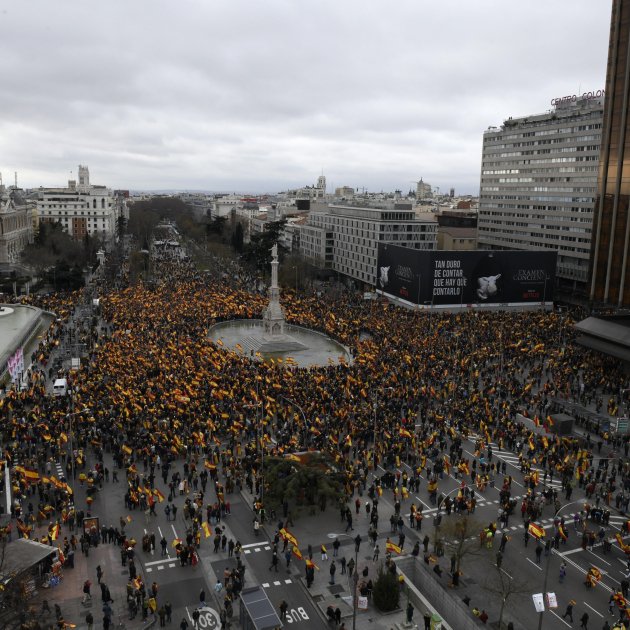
459	536
504	587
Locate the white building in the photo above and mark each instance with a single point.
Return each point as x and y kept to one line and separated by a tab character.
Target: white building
346	238
82	208
539	183
16	224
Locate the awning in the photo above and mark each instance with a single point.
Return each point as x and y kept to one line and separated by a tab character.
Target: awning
21	555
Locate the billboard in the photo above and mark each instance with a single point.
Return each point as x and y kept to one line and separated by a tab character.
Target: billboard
478	277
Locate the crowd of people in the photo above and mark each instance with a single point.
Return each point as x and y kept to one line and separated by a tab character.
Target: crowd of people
158	395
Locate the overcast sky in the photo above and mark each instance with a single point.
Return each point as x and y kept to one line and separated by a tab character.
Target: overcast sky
264	95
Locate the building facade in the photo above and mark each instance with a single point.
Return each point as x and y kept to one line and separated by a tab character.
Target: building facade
82	208
16	225
610	273
346	238
539	183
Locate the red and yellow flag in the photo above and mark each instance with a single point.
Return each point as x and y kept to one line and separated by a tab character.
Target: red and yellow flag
390	547
206	529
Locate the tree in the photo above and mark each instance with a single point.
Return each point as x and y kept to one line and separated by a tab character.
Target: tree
386	592
237	237
306	480
504	587
460	537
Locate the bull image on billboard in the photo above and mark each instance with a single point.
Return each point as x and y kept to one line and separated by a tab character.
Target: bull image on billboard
454	278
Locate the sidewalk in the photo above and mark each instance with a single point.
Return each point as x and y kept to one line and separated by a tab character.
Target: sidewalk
314	529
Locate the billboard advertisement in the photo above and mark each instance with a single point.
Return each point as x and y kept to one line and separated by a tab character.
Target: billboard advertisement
478	277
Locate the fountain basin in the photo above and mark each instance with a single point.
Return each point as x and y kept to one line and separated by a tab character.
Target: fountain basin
306	347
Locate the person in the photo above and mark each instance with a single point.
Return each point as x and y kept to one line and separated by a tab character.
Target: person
563	572
409	612
183	624
427	620
569	612
202	598
195	618
99	573
333	569
584	621
87	596
89	620
283	610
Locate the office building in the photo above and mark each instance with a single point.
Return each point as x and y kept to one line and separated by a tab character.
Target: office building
346	238
539	183
610	276
82	208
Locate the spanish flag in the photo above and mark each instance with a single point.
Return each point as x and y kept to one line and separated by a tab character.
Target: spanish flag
55	531
127	450
158	494
285	534
206	529
177	541
405	433
538	531
390	547
209	466
311	565
296	552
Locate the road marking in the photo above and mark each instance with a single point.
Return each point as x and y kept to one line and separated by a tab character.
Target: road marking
160	568
277	583
538	567
559	617
597	613
600	559
265	584
256	544
174	532
171	565
287	581
162	561
506	573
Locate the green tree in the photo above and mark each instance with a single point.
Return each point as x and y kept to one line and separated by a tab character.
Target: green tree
258	251
386	592
306	481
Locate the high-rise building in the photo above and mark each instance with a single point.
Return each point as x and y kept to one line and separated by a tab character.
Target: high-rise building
610	261
539	183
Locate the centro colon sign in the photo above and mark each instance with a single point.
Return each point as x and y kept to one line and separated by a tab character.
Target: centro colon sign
574	97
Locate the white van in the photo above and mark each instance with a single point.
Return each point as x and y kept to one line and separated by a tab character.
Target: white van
60	387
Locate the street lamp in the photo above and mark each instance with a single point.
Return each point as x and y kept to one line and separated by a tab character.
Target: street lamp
355	577
540	615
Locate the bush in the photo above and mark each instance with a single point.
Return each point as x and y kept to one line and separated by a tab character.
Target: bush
386	592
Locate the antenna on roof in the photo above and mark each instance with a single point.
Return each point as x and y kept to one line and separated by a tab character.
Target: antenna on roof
16	180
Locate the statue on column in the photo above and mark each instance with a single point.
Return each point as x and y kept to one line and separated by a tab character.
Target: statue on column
274	252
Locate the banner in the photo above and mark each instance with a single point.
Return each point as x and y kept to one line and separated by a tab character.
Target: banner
15	364
466	278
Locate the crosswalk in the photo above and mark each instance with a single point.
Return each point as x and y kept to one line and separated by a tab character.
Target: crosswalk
256	547
276	583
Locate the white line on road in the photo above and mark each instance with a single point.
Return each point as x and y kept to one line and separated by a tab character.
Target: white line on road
600	559
506	573
174	532
162	561
256	544
425	504
597	613
539	568
559	617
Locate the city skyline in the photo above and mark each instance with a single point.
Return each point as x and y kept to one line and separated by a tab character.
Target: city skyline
261	98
